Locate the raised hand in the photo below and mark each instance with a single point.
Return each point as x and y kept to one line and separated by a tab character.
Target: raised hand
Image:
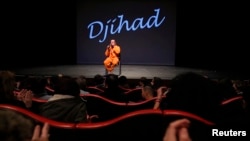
26	96
39	135
177	131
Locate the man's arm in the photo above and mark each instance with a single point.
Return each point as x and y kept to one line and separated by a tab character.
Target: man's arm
117	50
107	51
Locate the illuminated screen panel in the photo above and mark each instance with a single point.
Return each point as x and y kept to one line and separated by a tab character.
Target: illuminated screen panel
145	31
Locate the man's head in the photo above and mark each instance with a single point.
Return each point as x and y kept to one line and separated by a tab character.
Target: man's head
98	79
112	42
67	85
82	82
111	81
7	85
144	81
14	126
147	92
194	93
157	82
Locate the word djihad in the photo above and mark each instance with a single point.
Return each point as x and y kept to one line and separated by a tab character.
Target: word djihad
98	28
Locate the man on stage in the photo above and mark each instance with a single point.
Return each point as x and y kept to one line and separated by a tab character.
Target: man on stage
113	56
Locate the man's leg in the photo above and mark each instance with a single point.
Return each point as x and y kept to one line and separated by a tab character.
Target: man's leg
108	63
115	62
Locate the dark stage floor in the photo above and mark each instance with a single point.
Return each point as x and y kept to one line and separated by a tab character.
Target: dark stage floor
130	71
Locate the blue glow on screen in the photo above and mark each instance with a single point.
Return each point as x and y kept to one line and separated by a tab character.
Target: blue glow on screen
115	26
145	31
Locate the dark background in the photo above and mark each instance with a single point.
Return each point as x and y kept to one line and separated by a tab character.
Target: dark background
148	46
211	35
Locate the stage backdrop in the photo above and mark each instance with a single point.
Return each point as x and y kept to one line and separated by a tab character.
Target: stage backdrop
145	31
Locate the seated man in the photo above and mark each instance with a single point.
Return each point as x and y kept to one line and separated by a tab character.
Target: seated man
147	92
112	53
65	105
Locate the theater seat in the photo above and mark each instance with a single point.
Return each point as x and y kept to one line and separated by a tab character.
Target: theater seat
233	113
37	117
134	95
145	104
230	100
199	129
94	90
58	130
133	126
184	114
147	124
102	107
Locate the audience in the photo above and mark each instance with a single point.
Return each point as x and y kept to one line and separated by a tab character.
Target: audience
234	113
196	94
123	82
177	131
190	92
112	90
41	134
66	104
147	92
50	84
161	93
19	79
37	85
16	127
226	88
156	83
199	95
99	81
246	99
239	86
82	82
143	82
7	89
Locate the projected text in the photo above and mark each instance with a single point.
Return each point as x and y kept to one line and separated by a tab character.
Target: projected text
101	30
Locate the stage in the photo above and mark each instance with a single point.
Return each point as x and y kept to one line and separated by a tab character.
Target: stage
130	71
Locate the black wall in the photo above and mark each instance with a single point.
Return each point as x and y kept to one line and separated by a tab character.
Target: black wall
212	35
38	34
